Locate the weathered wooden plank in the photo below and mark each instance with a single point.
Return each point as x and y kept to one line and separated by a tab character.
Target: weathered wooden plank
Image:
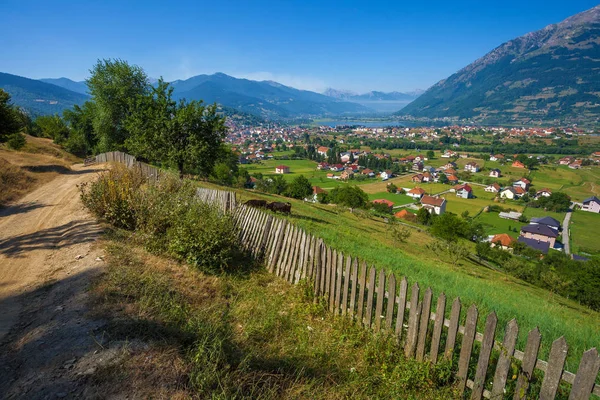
391	302
260	230
452	328
586	375
467	348
506	352
270	240
246	229
304	257
401	308
370	297
301	256
275	254
317	268
440	312
380	297
362	280
424	324
284	250
413	322
294	256
338	282
288	252
265	237
275	243
485	352
346	289
322	265
354	285
527	366
556	362
333	274
310	265
291	266
328	259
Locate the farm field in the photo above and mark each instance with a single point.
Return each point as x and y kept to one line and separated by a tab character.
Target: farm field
540	212
370	240
493	224
307	168
398	199
585	232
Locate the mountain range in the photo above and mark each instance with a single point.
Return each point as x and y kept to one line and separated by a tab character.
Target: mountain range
378	101
550	76
265	99
38	97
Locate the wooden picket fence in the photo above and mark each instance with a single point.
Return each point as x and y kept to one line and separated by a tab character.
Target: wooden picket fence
147	170
383	303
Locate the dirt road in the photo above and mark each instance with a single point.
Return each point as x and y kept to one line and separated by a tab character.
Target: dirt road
48	256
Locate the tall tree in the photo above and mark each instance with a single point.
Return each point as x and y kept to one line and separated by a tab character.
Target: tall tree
9	121
187	136
114	85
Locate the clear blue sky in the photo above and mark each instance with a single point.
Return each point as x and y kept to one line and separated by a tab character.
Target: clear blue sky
356	45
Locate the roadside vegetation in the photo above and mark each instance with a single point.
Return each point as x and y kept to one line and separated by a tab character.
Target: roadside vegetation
204	321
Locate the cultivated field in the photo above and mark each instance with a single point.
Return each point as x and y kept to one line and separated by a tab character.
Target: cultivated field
585	232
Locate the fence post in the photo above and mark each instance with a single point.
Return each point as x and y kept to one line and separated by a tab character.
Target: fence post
506	353
586	375
527	366
380	298
484	356
413	322
424	324
556	362
453	328
391	302
401	308
467	347
440	312
346	285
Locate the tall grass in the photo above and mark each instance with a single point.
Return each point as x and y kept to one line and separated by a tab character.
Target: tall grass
252	336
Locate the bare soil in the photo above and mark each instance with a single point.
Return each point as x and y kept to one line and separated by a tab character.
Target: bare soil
49	344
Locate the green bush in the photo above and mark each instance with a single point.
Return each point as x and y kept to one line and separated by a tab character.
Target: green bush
16	141
167	217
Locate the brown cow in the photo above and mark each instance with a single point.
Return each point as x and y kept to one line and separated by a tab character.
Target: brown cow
277	206
256	203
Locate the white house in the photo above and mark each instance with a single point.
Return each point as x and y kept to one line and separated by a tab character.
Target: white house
523	183
495	173
496	157
512	193
416	193
472	167
282	169
465	191
493	188
591	204
385	175
435	205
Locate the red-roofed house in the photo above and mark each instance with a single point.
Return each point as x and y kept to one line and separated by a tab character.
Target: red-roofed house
465	191
388	203
435	205
502	240
416	193
282	169
518	164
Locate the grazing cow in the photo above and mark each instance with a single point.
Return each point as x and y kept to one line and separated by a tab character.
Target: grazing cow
277	206
256	203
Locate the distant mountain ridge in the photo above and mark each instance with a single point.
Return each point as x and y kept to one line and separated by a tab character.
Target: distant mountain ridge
379	101
551	75
66	83
266	99
37	97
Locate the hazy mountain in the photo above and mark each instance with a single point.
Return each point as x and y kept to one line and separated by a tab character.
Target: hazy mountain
551	75
264	98
39	98
378	101
79	87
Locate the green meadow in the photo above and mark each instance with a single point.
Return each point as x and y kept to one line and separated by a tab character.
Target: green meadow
369	239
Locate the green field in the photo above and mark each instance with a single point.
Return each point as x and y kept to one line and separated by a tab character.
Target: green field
493	224
585	232
540	212
510	297
307	168
398	199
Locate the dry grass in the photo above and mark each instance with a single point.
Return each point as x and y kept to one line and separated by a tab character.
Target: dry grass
251	336
39	162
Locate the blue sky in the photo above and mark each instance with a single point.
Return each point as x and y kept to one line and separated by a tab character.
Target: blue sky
356	45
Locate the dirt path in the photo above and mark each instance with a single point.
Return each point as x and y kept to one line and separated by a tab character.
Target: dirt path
47	258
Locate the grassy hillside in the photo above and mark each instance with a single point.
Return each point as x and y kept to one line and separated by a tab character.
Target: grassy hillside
250	336
490	290
37	163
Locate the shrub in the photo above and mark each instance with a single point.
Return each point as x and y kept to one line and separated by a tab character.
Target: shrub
16	141
168	217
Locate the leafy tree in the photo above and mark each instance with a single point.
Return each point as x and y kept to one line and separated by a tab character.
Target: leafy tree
279	185
430	154
443	178
187	136
80	121
114	85
9	121
449	227
323	198
381	208
392	188
222	173
299	188
53	127
424	217
349	196
399	232
557	202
